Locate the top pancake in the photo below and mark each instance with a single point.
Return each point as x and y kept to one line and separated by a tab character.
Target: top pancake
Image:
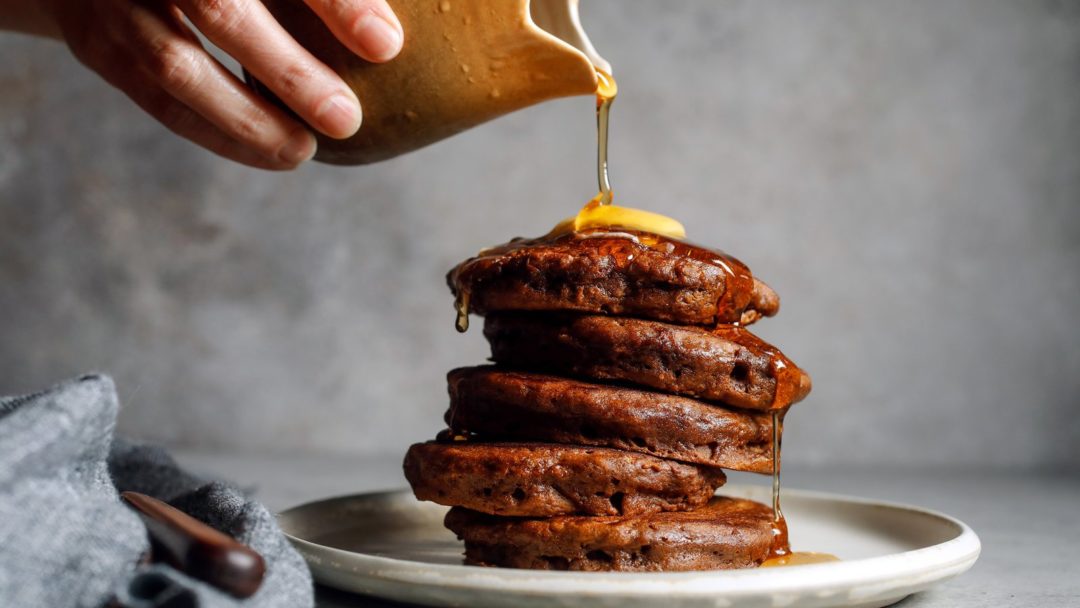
620	272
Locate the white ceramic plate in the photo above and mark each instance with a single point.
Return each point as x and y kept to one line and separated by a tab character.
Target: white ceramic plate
392	546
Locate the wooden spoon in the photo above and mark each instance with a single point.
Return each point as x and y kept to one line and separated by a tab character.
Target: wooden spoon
196	549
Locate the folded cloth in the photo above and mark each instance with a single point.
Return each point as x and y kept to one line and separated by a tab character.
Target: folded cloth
66	539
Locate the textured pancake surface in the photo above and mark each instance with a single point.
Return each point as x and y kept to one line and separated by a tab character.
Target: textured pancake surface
506	404
614	272
726	533
727	364
543	480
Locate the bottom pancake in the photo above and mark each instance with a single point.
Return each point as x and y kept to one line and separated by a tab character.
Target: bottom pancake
726	533
542	479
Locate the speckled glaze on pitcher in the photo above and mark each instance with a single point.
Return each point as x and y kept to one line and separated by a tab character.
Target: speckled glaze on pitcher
464	62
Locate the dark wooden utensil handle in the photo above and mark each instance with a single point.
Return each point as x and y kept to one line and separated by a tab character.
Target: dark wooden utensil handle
195	548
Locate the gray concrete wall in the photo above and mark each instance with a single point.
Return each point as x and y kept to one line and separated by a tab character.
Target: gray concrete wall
905	173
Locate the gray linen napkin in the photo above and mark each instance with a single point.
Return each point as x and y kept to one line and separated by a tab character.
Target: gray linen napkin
67	540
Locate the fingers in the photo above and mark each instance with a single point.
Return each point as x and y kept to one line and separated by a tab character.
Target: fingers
153	58
183	121
188	124
368	28
245	30
174	59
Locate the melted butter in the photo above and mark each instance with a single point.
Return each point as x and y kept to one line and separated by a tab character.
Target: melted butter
596	215
799	558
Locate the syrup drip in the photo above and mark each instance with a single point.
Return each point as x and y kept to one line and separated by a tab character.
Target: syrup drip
780	554
461	304
449	435
799	558
605	94
777	435
780	545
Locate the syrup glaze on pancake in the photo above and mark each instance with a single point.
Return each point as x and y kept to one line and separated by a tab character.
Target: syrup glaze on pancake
613	271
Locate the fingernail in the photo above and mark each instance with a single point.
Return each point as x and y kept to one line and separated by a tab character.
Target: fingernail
339	116
380	39
300	147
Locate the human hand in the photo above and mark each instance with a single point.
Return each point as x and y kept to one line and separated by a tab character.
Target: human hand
147	50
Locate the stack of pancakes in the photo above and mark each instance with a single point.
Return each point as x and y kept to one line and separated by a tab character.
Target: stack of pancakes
623	383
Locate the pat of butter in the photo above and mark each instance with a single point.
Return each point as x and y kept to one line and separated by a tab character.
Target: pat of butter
595	215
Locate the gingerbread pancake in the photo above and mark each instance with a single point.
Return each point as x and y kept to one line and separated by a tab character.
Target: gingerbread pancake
616	272
727	364
493	402
725	533
543	480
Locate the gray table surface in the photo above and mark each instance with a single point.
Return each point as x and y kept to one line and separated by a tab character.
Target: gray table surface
1027	520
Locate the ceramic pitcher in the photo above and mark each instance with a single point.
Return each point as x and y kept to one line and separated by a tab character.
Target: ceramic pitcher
464	62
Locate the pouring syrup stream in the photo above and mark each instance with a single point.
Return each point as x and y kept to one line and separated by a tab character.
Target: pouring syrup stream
605	94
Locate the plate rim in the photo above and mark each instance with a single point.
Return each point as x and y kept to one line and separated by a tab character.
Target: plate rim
931	563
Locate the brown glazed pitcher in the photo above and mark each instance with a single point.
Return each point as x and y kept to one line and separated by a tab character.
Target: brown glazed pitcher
464	62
